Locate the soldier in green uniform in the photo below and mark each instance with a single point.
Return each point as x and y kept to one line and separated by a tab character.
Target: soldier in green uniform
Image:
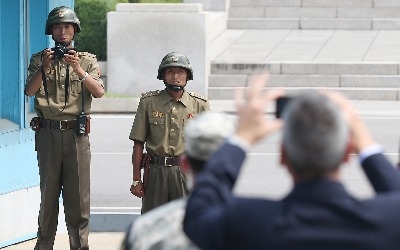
63	82
158	126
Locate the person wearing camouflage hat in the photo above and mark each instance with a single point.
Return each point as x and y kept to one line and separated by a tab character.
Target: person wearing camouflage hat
158	129
161	228
63	82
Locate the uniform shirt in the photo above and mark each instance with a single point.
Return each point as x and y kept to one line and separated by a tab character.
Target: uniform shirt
160	228
55	79
160	120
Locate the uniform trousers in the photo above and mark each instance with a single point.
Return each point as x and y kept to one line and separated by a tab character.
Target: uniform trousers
64	168
165	183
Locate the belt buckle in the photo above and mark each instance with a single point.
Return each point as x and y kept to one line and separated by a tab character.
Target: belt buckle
61	125
165	161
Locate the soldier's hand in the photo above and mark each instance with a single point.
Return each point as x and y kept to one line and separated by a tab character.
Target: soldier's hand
47	58
137	190
72	59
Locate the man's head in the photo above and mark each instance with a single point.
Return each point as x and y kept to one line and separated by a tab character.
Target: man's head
203	136
175	70
62	20
315	136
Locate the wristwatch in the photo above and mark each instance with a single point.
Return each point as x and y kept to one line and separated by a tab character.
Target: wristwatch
84	77
135	183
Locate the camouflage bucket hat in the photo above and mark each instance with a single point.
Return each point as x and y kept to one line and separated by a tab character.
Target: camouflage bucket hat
206	133
175	59
62	14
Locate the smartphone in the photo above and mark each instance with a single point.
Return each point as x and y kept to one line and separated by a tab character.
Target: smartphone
281	104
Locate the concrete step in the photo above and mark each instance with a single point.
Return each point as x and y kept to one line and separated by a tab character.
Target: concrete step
315	23
313	12
317	3
315	68
301	80
357	80
375	94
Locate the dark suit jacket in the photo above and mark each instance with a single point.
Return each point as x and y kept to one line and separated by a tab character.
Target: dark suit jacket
317	214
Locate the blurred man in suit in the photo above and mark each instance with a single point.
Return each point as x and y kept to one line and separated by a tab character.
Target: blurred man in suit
320	130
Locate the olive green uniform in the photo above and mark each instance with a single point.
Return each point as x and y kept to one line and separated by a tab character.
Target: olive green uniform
63	155
159	122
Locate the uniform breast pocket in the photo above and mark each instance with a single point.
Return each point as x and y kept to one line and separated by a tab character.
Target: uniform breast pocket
50	85
157	127
76	85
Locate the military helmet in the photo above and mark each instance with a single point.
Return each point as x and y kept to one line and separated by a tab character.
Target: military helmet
62	14
175	59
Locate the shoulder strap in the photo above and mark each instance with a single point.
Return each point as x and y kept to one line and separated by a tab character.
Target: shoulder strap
150	93
197	96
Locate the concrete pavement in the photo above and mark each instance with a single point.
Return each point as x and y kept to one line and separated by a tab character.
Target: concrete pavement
97	241
111	240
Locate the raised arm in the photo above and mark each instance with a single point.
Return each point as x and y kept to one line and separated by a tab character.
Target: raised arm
381	173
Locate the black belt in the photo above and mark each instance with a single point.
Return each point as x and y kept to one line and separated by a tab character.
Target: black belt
61	125
166	161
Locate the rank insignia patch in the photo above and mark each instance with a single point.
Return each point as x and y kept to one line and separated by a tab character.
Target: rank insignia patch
157	114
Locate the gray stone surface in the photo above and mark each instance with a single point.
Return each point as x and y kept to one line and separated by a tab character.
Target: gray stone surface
211	5
140	35
386	3
337	3
263	23
262	3
314	14
362	64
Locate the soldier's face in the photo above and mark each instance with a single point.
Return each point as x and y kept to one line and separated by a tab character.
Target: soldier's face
175	76
63	32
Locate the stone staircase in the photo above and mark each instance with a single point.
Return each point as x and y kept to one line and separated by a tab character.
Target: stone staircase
315	14
376	84
347	45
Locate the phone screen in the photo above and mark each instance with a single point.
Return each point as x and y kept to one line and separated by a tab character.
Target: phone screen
281	103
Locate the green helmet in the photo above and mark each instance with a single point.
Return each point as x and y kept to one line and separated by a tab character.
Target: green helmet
62	14
175	59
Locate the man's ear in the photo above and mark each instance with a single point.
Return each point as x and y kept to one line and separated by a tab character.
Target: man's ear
185	165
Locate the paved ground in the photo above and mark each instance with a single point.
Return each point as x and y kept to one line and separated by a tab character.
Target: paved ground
97	241
383	118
